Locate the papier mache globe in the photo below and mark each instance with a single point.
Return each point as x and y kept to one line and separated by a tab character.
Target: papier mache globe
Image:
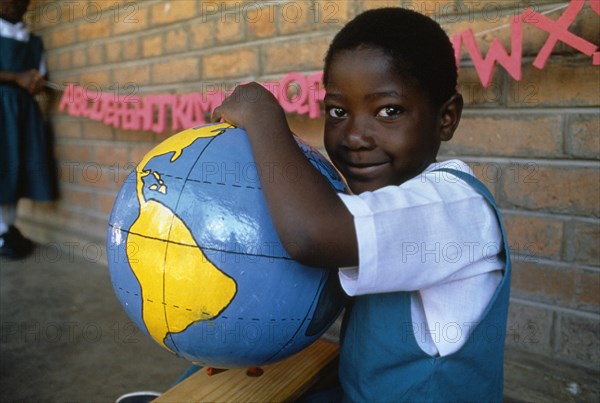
197	264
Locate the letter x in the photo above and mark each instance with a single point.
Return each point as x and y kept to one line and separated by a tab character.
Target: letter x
558	30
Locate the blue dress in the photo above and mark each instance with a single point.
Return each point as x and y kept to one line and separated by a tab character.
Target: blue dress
26	163
380	360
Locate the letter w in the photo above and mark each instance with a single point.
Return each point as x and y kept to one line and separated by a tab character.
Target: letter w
496	53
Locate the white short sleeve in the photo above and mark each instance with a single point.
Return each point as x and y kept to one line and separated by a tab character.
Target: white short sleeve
430	230
435	236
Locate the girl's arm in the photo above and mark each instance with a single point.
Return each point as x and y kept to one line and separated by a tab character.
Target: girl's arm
312	222
30	80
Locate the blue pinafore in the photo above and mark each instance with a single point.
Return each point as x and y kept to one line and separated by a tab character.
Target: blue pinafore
26	160
380	360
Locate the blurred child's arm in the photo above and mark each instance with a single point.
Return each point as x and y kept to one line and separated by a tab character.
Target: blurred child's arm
313	223
30	80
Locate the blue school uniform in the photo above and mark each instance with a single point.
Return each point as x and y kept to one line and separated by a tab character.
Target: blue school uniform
26	168
380	360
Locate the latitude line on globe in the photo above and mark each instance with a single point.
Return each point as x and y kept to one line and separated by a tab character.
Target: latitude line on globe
201	247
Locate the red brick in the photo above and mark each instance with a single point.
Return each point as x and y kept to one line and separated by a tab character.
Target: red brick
121	173
532	238
94	54
61	37
53	60
176	40
529	328
114	51
558	84
64	62
94	79
485	172
88	30
262	21
113	155
586	288
131	50
202	35
131	78
133	135
584	139
67	128
77	197
169	12
584	243
303	54
485	27
176	71
520	135
93	175
73	152
152	46
138	151
332	14
527	136
130	17
587	24
228	32
568	287
231	64
97	130
568	190
43	15
79	57
297	16
578	340
438	9
106	202
475	94
414	5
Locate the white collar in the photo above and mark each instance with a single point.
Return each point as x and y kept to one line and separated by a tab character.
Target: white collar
14	31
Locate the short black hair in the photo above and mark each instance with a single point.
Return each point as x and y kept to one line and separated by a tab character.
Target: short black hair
417	46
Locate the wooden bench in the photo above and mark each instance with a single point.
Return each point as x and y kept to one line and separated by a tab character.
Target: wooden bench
282	381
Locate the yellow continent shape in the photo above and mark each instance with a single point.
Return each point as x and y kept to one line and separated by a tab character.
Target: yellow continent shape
180	285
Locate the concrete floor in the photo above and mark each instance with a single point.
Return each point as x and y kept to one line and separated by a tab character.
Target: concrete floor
65	338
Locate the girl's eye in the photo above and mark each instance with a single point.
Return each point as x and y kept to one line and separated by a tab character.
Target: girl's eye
389	112
336	112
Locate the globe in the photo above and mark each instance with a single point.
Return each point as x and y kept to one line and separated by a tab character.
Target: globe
195	260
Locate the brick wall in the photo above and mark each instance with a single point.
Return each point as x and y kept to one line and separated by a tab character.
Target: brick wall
534	141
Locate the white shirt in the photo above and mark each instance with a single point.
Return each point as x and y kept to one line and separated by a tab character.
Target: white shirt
436	237
19	33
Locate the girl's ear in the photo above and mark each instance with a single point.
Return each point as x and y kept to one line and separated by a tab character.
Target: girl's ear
450	114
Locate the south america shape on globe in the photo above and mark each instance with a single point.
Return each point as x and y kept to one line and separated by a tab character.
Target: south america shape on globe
196	263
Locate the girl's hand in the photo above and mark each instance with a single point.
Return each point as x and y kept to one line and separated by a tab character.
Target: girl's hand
250	106
31	80
307	213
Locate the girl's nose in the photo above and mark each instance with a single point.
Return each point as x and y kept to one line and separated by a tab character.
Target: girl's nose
358	136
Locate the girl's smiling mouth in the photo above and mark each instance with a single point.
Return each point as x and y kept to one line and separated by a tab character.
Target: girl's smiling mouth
364	169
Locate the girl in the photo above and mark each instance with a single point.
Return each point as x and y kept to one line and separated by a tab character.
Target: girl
25	153
418	243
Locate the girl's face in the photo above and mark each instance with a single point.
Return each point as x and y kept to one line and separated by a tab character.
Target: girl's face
379	130
13	10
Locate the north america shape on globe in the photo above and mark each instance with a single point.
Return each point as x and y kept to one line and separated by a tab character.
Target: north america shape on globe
198	266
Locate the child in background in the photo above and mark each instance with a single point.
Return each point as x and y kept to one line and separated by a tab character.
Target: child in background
419	244
25	155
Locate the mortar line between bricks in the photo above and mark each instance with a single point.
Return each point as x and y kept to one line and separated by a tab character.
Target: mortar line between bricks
544	214
212	50
163	26
518	110
566	163
556	263
556	308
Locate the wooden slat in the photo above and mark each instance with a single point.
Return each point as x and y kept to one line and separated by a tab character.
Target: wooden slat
282	381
